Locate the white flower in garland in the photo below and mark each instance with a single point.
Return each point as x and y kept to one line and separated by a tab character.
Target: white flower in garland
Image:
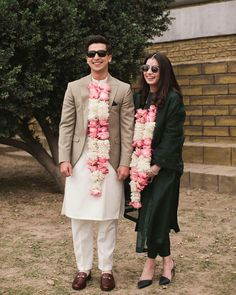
98	135
103	148
138	131
141	157
102	111
92	109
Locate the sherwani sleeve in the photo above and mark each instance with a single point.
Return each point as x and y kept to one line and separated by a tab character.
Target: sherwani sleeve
126	128
66	127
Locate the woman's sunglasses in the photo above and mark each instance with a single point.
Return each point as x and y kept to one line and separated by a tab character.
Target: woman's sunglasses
154	69
100	53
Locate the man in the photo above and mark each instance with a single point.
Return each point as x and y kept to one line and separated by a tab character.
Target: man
95	146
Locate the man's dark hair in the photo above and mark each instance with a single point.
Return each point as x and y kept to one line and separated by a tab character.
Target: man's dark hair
99	39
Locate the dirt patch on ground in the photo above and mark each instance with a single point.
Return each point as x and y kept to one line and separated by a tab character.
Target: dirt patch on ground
37	257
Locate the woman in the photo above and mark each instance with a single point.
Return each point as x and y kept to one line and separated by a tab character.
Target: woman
159	199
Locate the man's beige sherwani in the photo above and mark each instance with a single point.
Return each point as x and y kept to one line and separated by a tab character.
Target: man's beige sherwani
78	204
74	120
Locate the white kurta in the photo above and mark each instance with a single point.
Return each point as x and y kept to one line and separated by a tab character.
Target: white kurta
80	204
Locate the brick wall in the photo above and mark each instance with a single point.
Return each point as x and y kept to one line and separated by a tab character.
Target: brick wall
206	71
198	50
209	91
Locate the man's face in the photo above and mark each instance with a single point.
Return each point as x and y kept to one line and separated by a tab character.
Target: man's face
98	64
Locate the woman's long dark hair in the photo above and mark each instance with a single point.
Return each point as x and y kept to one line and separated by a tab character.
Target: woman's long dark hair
166	82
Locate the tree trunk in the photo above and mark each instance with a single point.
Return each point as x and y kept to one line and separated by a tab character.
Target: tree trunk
41	155
52	140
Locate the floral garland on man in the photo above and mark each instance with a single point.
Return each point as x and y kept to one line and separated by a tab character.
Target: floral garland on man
98	135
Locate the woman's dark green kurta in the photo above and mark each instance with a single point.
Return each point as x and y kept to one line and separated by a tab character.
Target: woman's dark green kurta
158	214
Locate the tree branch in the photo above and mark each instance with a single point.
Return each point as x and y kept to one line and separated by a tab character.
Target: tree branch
16	143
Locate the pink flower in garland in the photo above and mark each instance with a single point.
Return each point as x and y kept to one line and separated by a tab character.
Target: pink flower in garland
98	135
141	157
103	133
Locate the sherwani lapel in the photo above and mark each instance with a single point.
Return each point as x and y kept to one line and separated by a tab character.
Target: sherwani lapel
85	99
112	82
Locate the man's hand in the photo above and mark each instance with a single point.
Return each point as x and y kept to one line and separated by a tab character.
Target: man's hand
122	172
66	168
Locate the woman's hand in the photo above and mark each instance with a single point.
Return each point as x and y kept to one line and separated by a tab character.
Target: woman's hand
154	170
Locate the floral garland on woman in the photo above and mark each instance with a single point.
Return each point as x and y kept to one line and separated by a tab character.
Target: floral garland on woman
98	134
141	156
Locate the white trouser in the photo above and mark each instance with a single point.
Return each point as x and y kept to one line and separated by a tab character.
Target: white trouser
82	232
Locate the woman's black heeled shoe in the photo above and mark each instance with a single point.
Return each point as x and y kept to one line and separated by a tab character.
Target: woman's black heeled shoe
144	283
165	281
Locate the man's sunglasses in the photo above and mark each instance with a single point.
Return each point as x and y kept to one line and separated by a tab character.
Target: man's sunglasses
154	69
100	53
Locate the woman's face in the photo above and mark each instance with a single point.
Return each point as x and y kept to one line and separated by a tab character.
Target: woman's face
151	73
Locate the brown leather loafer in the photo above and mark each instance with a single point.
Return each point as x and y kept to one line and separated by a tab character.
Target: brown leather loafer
107	282
80	280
